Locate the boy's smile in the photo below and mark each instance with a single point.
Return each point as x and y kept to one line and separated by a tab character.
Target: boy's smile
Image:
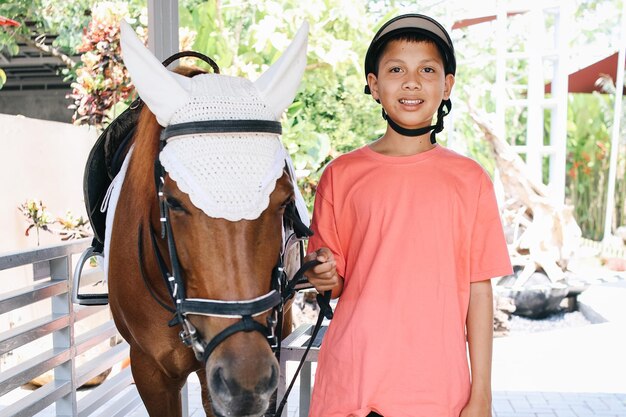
411	82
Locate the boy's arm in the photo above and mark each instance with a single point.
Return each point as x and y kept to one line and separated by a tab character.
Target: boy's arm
480	344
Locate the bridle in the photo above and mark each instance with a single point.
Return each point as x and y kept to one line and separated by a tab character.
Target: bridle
282	288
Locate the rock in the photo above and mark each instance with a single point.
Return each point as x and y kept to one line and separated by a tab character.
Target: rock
539	301
537	298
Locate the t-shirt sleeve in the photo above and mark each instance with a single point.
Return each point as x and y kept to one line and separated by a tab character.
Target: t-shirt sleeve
324	226
489	255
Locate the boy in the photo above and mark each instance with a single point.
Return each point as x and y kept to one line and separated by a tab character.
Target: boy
409	234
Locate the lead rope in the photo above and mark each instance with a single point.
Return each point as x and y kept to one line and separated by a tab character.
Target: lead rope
326	311
318	325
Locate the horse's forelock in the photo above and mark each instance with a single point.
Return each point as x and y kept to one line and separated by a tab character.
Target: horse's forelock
189	71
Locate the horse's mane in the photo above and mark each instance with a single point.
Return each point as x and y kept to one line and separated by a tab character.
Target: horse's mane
140	175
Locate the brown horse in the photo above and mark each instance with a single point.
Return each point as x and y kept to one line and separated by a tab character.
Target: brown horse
219	261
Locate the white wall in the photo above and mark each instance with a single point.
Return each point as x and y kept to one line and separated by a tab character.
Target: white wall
44	160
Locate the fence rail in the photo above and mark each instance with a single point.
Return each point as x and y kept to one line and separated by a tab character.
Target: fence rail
70	355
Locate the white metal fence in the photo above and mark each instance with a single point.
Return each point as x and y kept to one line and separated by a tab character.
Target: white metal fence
73	344
65	348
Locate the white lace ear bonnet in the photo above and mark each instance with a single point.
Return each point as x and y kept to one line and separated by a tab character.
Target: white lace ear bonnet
226	175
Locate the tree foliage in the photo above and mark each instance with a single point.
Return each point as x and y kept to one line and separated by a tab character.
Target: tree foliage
101	79
330	114
38	18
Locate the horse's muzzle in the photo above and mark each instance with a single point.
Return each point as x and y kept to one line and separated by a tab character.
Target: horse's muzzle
242	390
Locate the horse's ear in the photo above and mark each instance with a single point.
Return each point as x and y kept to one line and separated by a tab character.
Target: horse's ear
279	84
163	91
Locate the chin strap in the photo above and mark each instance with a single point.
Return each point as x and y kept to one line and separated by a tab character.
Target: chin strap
444	109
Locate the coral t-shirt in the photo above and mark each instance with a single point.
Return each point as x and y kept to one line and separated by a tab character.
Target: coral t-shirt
409	235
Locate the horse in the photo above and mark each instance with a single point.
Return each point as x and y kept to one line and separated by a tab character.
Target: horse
197	259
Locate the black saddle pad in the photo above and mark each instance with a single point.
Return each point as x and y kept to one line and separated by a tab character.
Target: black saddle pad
103	163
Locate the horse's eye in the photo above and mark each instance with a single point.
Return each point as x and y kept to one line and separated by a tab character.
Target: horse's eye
174	204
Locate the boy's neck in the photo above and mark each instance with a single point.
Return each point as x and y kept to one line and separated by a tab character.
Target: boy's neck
394	144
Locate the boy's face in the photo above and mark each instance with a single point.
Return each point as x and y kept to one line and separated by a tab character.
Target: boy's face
411	82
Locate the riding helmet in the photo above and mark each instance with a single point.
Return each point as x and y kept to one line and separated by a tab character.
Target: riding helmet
429	28
411	23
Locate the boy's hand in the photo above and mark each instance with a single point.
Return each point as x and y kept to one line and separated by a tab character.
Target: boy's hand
324	276
478	408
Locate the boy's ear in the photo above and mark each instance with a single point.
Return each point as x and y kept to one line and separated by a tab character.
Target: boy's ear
448	84
372	81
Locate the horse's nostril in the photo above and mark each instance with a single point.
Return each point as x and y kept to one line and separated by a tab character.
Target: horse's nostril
269	384
273	382
218	383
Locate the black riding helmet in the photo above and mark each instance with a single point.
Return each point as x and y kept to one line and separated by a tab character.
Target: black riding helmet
424	26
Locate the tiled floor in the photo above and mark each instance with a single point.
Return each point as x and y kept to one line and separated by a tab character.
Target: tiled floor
505	404
558	404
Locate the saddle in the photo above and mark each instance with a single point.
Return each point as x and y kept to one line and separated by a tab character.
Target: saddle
103	164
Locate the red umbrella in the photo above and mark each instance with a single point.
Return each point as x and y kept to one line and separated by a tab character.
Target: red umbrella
5	21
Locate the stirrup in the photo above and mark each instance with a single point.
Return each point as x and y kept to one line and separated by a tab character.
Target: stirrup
86	299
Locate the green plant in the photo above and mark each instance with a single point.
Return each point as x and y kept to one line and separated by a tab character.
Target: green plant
330	114
37	217
38	18
589	143
73	227
101	77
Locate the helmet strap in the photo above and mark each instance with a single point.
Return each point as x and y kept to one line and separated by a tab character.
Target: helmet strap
444	109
